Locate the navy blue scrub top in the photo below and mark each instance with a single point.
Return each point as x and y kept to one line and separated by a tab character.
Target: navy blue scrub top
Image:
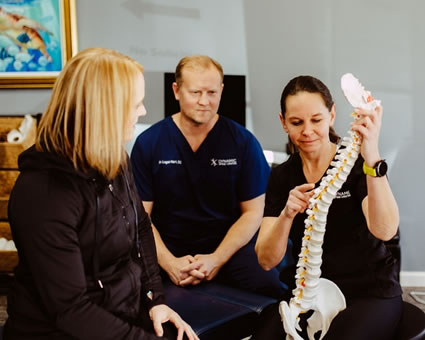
197	195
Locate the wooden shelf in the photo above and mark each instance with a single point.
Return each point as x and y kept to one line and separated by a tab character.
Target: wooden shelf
8	258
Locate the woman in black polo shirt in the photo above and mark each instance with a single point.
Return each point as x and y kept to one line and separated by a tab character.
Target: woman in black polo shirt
363	215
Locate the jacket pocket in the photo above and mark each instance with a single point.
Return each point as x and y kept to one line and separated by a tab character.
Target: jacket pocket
121	292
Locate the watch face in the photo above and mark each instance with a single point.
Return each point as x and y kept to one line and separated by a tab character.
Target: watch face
381	168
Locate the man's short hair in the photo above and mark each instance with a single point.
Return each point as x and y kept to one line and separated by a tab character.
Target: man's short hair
201	62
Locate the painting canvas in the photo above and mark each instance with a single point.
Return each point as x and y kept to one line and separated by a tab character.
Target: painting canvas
37	37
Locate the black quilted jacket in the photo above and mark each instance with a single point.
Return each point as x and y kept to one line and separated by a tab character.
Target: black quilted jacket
79	273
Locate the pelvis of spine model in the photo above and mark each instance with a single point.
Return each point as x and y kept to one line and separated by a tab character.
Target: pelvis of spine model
313	292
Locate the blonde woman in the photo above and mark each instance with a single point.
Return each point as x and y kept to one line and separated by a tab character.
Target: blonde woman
88	266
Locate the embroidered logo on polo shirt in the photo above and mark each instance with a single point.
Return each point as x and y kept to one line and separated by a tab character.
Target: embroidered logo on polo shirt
343	194
223	162
169	161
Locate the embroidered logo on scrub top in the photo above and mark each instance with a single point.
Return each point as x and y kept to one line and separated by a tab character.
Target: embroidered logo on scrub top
223	162
169	161
343	194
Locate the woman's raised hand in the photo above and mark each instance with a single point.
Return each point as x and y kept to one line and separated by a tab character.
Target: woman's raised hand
368	125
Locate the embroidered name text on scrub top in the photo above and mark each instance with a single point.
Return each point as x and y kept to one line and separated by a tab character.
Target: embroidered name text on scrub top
169	161
223	162
343	194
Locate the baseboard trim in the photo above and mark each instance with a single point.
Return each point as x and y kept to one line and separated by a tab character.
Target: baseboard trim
412	279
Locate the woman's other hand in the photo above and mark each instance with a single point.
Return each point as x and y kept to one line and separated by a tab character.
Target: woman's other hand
162	313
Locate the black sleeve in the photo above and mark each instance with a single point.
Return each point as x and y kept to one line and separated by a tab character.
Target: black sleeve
152	289
277	192
44	216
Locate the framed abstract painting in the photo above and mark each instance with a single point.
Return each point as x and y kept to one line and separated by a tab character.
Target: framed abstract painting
37	37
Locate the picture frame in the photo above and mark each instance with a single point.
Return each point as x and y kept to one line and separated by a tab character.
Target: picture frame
37	38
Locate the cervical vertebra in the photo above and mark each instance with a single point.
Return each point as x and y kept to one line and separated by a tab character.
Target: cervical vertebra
312	292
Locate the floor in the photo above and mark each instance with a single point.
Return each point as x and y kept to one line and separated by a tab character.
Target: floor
407	296
415	295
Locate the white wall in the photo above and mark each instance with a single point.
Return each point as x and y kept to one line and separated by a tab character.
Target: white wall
159	33
380	41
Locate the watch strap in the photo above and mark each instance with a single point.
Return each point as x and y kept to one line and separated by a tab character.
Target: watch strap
368	170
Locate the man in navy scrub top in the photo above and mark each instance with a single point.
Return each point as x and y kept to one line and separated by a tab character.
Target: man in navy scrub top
202	178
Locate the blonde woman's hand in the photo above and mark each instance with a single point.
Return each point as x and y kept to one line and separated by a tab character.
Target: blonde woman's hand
161	314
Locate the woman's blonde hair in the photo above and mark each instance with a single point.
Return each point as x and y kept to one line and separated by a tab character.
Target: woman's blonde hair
90	104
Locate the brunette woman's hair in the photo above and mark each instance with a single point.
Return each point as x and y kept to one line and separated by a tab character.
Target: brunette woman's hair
311	85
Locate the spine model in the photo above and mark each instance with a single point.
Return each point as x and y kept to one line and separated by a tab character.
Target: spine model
313	292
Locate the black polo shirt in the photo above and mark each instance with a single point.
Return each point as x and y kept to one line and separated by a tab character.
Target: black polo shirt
353	258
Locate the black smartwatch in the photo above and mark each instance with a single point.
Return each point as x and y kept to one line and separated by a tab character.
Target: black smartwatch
379	169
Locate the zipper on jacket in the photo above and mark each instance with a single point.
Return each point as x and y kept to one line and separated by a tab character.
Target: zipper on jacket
97	231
